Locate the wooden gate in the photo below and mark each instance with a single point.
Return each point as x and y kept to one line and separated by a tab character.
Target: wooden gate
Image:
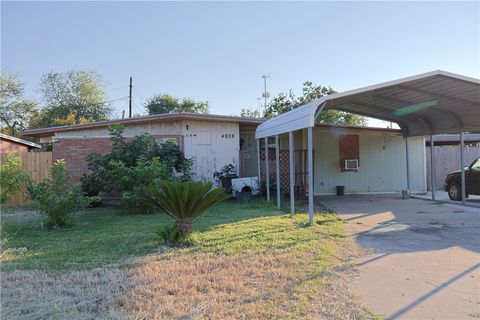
37	165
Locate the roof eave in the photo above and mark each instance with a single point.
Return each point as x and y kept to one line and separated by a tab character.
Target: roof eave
144	119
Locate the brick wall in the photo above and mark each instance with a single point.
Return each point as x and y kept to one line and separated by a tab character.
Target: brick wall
74	151
7	146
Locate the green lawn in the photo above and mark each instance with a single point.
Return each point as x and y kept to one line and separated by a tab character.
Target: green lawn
105	235
247	261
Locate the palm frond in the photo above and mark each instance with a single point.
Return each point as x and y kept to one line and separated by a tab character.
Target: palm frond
183	200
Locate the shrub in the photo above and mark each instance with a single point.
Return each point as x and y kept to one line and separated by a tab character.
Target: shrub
132	165
183	201
130	181
173	234
56	198
12	178
91	188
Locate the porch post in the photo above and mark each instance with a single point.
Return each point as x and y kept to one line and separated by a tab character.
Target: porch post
258	161
292	174
267	173
310	176
408	164
277	167
432	166
462	167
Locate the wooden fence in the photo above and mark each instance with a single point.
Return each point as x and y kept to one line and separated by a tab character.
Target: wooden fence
447	159
37	165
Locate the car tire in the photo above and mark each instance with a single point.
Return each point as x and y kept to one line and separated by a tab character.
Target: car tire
454	191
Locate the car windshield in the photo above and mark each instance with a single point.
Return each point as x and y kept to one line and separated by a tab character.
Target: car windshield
476	165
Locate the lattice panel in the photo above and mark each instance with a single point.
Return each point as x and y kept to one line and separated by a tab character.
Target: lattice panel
284	171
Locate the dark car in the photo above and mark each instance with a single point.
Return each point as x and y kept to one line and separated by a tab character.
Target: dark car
472	181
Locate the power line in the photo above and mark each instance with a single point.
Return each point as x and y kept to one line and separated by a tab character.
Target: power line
114	89
118	99
123	107
137	108
138	93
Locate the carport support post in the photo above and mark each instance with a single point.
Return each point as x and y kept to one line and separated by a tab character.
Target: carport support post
258	160
292	174
408	164
432	166
267	174
277	168
310	176
462	167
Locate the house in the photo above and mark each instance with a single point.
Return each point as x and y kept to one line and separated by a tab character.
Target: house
212	141
9	144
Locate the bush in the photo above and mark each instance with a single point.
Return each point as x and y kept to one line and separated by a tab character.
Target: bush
56	198
183	201
91	188
173	234
132	165
12	178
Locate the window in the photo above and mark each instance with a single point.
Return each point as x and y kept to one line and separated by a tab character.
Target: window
162	140
476	165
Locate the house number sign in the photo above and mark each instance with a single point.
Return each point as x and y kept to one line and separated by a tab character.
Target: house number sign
228	135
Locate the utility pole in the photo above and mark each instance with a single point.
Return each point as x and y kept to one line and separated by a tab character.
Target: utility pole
259	106
130	100
265	93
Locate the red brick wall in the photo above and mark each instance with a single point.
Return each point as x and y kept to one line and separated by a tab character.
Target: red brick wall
74	151
7	146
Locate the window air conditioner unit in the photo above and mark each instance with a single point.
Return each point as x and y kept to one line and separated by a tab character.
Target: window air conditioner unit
351	164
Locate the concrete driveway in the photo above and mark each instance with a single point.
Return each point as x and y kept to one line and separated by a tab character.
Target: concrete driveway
472	200
426	256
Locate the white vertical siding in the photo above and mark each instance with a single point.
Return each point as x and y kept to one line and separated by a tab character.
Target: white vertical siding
382	164
211	145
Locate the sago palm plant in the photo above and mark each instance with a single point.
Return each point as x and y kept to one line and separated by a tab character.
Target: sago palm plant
183	201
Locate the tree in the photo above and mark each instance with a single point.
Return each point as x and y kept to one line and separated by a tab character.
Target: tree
12	177
15	109
165	103
77	92
250	113
56	198
285	102
71	118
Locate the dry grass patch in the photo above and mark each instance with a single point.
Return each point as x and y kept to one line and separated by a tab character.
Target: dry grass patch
251	264
272	285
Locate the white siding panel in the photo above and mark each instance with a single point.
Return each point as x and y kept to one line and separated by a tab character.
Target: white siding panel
211	145
382	164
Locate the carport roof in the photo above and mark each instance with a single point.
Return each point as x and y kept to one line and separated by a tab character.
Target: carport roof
435	102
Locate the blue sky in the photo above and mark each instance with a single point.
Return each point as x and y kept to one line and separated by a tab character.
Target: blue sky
217	51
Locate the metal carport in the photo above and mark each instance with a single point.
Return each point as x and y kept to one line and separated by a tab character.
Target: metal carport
427	104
